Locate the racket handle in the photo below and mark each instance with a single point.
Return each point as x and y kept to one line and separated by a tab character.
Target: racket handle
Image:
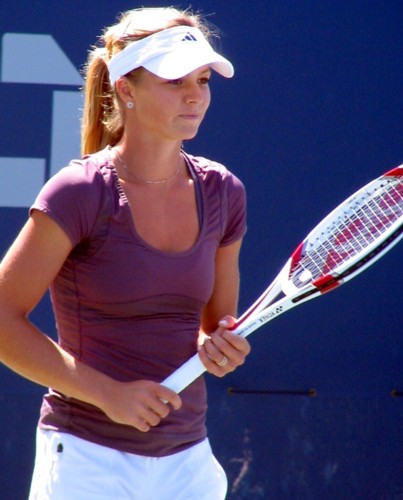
185	374
194	368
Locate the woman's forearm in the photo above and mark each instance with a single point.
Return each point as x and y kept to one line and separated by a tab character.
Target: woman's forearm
36	357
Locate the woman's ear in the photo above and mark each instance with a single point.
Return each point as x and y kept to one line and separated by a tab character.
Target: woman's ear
124	90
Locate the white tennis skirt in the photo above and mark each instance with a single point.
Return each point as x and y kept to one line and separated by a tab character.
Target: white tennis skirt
70	468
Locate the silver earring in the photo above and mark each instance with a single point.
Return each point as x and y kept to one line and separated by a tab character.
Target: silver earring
130	105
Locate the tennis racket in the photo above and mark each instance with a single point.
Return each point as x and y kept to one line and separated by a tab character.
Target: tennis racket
346	242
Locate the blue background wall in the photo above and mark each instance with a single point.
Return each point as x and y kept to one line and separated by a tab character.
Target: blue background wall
314	112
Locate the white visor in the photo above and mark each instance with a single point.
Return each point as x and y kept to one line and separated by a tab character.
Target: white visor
169	54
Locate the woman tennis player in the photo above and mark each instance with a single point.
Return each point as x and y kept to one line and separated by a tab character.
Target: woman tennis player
139	244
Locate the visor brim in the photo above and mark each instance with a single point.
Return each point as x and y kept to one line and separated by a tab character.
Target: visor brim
177	64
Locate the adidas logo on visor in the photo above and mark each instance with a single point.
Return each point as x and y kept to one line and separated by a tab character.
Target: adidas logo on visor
189	38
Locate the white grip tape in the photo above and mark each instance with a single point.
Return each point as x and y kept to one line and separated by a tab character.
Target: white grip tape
185	374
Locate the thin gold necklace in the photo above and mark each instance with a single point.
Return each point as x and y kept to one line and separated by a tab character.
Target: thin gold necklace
147	181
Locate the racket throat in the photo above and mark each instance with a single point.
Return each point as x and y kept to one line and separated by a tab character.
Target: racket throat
322	285
326	283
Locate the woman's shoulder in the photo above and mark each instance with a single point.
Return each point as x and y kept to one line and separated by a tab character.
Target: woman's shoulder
202	164
211	170
83	173
79	181
89	167
206	166
80	186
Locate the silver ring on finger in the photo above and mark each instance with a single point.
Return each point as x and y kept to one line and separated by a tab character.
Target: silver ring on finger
223	362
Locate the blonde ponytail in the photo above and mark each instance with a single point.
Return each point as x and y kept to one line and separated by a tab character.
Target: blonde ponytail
100	125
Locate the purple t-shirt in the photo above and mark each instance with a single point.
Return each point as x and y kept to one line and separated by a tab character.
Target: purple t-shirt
127	309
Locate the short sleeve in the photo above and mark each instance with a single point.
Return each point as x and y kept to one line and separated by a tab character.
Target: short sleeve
235	207
72	198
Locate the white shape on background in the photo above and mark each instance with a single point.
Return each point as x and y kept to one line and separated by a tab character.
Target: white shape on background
65	141
32	58
38	59
21	179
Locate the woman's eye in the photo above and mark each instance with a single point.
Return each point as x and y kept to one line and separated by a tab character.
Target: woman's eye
175	82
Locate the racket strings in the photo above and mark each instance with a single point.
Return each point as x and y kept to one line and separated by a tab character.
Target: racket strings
361	223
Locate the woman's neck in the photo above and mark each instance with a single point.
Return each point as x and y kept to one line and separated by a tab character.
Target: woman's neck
150	163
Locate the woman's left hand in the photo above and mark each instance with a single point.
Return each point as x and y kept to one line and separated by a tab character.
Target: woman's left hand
223	351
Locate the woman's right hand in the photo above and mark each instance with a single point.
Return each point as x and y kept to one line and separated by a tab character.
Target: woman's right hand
141	404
